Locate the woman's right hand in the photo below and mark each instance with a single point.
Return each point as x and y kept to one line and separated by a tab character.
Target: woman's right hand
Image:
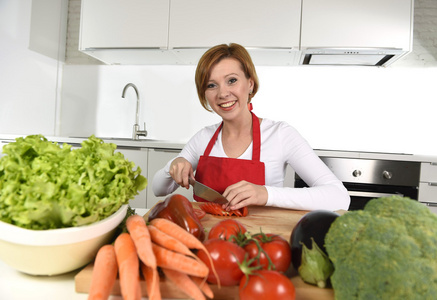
181	170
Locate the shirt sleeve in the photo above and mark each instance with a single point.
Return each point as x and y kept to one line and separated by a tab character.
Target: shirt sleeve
162	183
325	190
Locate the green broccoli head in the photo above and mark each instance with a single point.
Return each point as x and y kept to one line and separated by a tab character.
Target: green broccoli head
386	251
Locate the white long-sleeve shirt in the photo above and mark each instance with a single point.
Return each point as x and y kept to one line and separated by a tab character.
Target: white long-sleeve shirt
281	144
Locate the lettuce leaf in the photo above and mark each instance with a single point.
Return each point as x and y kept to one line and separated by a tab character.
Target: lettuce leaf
44	185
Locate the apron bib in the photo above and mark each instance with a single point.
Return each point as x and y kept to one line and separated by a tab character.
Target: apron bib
220	172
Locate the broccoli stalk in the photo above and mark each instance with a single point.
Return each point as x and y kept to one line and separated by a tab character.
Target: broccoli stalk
316	268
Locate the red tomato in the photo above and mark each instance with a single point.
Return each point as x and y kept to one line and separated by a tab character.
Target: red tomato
276	247
266	284
225	256
216	209
226	228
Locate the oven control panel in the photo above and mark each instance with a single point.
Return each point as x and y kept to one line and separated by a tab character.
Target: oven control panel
373	171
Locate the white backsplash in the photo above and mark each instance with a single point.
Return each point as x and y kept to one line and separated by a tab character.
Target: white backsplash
360	109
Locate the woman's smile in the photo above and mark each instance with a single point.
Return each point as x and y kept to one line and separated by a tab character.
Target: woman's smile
228	104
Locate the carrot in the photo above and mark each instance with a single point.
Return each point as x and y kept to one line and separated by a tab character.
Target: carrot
179	262
162	239
128	265
184	283
104	273
203	285
185	237
153	291
140	235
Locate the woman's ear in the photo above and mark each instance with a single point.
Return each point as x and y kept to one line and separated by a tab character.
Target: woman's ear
251	85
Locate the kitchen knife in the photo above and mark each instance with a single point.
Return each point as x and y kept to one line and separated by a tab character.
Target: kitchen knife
207	193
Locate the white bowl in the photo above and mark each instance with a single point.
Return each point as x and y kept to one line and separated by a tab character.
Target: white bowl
55	251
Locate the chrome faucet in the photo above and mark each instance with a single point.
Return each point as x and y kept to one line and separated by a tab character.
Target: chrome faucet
136	129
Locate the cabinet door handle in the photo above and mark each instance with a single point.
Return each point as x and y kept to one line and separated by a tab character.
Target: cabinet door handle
167	150
129	148
432	183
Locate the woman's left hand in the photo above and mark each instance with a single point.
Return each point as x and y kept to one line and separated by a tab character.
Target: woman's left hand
244	193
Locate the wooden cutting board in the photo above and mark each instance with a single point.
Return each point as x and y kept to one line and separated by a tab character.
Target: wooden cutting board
270	219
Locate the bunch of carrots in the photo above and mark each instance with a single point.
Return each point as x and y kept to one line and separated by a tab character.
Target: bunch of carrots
145	247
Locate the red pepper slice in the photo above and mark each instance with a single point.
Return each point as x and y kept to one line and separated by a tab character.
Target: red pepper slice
178	209
216	209
200	213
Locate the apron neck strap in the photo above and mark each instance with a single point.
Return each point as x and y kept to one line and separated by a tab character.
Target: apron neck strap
256	132
256	144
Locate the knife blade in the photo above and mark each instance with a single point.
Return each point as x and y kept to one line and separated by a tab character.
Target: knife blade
207	193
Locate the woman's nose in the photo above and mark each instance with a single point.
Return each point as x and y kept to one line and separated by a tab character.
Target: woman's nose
224	92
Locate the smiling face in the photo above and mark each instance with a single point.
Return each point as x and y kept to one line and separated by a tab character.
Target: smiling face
228	88
215	55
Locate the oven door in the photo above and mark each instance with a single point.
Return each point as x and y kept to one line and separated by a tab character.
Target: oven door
362	193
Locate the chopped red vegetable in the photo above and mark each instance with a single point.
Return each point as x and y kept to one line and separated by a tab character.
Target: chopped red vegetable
216	209
200	213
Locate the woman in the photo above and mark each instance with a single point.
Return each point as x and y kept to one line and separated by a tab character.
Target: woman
245	157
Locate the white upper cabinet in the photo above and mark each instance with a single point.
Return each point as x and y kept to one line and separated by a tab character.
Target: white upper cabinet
280	32
161	31
252	23
357	23
124	24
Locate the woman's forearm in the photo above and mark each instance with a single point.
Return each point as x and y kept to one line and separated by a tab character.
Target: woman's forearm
163	184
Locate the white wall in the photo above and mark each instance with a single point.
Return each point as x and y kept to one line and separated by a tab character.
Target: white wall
365	109
29	71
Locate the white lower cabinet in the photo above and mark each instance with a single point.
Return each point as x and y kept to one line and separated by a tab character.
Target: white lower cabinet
139	157
289	177
428	183
158	158
428	192
150	160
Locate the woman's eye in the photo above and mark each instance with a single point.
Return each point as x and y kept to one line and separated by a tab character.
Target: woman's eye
232	80
210	86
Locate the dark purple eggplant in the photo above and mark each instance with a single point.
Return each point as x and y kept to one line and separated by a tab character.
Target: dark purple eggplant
314	224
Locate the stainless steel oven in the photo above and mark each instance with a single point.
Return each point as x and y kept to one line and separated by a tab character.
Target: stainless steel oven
366	179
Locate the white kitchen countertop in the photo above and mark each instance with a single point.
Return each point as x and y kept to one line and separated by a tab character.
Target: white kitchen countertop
166	144
15	285
121	142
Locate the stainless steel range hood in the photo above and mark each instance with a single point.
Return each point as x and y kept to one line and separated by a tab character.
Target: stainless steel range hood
351	57
355	33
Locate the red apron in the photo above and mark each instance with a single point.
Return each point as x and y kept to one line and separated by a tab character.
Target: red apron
220	172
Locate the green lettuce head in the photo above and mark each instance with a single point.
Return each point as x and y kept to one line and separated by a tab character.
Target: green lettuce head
44	185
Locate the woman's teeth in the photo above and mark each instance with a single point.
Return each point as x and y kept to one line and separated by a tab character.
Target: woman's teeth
227	104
